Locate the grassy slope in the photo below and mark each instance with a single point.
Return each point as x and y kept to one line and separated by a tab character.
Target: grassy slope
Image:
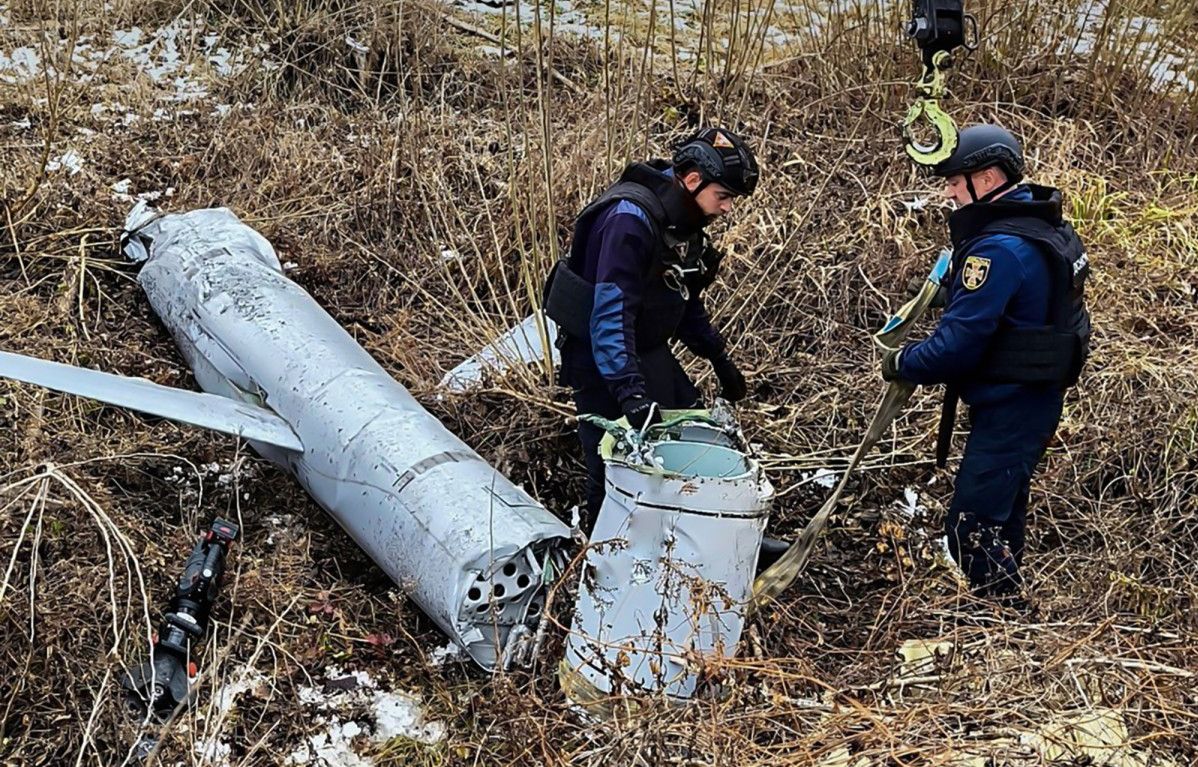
363	178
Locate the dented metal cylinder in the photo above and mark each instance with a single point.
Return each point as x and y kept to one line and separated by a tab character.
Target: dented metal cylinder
665	586
471	549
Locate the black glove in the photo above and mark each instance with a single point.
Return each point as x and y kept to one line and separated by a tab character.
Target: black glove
890	365
939	301
641	412
732	381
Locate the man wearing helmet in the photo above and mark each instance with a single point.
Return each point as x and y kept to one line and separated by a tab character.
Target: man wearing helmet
633	281
1013	337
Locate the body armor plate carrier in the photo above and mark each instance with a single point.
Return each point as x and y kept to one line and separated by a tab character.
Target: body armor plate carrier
1054	353
679	267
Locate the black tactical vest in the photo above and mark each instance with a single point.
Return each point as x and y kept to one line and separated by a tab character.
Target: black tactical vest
1054	353
569	298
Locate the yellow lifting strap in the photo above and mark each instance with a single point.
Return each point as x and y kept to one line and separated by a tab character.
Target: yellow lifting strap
779	576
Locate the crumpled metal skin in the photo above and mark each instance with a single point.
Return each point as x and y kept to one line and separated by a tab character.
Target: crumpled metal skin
463	541
666	585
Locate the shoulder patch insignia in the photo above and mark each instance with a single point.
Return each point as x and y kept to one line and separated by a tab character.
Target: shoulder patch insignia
974	272
722	141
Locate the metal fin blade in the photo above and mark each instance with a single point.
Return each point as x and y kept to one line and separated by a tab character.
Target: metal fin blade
209	411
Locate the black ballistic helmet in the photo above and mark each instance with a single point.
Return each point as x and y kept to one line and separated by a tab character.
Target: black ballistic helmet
984	146
721	157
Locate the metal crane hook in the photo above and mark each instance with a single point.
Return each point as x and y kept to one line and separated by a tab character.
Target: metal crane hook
927	106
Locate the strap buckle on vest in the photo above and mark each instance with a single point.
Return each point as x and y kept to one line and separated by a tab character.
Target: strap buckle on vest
675	277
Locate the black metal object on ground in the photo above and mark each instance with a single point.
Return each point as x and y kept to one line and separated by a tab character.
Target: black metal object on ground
162	682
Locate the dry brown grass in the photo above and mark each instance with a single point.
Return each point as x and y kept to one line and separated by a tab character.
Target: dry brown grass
361	170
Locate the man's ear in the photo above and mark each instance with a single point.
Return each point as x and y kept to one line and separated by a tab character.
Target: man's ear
691	180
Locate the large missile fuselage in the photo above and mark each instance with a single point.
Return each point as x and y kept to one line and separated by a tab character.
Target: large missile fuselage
463	541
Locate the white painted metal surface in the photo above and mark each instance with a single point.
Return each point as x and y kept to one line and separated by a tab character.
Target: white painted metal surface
522	344
667	596
472	550
207	410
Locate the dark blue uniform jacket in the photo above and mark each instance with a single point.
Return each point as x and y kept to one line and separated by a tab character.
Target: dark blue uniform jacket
619	260
1005	281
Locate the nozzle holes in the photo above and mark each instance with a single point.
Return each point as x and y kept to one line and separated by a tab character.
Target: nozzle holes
474	594
523	581
509	569
499	591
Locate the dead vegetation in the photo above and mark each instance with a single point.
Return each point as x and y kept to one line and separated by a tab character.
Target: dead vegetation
420	187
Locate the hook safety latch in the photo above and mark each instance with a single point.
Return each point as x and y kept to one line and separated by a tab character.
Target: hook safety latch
931	88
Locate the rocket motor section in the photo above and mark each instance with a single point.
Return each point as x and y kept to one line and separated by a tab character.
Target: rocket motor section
474	551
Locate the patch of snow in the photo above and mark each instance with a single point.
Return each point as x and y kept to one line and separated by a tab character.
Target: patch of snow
212	748
223	62
1167	69
822	477
69	161
910	506
148	196
394	714
226	697
213	752
441	655
127	38
283	524
20	66
165	56
944	558
187	89
398	715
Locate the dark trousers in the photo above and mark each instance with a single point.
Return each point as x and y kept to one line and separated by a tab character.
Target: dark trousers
665	383
987	520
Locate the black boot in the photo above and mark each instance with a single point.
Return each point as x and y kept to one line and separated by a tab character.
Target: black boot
772	550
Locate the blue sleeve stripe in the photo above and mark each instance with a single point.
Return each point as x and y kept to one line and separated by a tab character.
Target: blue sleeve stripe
607	330
628	207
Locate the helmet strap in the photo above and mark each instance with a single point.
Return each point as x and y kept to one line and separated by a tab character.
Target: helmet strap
988	196
703	182
973	193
